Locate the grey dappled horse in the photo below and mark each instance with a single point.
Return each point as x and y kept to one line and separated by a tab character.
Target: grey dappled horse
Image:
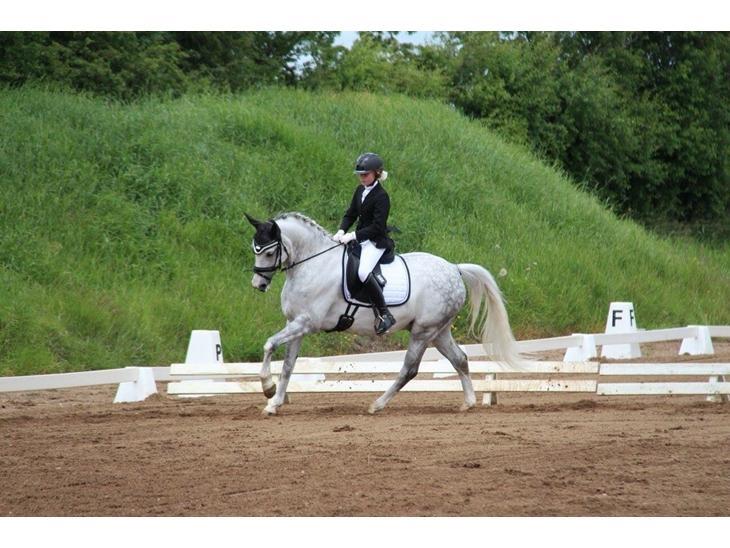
312	301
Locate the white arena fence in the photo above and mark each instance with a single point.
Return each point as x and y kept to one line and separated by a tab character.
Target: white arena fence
585	343
561	378
137	383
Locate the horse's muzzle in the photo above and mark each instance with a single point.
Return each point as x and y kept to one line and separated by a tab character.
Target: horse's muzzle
260	283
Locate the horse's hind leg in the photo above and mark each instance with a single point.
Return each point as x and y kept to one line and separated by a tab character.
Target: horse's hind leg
416	347
446	344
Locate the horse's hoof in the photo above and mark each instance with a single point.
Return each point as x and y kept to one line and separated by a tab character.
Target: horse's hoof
269	411
270	391
374	409
465	407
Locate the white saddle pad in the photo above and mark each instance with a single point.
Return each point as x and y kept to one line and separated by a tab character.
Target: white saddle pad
397	288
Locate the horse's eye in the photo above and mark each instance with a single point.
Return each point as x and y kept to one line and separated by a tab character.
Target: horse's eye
270	254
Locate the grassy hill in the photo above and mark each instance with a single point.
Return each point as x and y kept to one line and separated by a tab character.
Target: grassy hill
121	227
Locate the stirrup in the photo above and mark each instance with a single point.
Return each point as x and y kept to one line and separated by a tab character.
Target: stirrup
385	322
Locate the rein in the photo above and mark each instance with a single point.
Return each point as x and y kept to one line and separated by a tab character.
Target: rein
305	260
261	270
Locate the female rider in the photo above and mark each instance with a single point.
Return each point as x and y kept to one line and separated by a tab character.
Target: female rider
370	207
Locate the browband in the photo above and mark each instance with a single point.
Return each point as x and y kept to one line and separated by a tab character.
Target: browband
258	250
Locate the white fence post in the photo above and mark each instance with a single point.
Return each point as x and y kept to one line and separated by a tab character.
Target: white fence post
701	343
490	398
583	352
138	390
717	398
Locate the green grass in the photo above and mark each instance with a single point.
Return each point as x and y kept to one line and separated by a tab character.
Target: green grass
122	229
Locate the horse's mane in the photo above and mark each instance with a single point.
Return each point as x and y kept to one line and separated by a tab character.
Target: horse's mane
304	219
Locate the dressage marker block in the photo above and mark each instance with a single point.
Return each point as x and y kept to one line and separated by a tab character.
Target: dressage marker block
204	347
621	319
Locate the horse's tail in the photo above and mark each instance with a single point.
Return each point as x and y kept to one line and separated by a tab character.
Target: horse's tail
493	330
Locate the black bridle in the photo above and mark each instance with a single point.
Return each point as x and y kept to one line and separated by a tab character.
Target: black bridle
278	265
263	270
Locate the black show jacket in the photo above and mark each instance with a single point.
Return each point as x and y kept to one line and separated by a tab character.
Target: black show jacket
372	214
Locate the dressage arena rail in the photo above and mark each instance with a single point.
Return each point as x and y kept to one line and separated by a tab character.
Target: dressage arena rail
136	383
585	342
715	387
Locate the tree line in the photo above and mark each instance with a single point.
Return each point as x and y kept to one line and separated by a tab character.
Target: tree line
639	118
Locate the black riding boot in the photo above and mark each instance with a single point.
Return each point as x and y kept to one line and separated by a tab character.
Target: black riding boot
384	320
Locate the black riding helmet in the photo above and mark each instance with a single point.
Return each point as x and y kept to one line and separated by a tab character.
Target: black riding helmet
368	162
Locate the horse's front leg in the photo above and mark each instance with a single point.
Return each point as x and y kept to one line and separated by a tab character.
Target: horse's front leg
294	329
292	350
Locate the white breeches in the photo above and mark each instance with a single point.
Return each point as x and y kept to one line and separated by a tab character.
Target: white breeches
369	257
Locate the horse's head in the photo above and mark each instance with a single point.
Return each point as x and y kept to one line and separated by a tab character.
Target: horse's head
268	250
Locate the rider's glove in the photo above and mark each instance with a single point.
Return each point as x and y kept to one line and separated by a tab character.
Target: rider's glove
338	236
347	238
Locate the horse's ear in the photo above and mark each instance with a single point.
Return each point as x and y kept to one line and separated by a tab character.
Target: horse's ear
275	231
251	220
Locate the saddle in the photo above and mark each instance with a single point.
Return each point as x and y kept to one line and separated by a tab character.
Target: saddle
351	265
391	272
